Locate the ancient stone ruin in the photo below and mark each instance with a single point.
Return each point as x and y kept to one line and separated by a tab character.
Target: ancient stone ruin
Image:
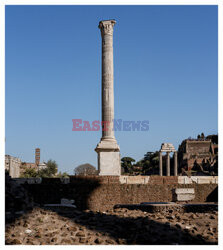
168	148
198	154
108	149
114	209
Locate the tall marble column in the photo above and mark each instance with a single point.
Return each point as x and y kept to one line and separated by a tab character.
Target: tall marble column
108	149
175	163
167	163
161	163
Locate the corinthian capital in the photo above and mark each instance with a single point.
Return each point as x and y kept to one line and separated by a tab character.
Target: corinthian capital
106	27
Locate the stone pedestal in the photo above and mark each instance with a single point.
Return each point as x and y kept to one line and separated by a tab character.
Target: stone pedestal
108	149
109	163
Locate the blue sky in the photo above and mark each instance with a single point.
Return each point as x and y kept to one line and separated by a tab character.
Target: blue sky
165	71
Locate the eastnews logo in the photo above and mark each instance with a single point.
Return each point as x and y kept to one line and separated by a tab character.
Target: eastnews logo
117	125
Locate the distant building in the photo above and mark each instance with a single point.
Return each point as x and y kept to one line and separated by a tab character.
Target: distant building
16	167
37	156
42	165
196	152
27	165
12	165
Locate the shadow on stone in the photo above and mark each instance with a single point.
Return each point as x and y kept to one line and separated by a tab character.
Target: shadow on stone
124	230
213	196
130	231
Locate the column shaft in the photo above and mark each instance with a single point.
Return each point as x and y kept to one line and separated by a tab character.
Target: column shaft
160	164
175	164
167	164
107	78
108	149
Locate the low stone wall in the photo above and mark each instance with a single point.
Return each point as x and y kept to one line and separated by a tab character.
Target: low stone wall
104	192
124	179
198	179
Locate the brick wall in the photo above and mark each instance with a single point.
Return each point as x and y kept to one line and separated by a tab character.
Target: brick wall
102	193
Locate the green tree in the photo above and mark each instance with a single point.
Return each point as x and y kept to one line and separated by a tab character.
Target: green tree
49	171
85	169
52	167
213	138
62	175
150	162
148	156
29	173
126	163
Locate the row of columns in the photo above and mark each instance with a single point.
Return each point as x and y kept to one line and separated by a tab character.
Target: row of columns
167	163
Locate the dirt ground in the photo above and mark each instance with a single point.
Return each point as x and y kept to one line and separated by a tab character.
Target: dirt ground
117	226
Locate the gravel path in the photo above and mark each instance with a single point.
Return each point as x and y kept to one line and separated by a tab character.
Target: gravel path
118	226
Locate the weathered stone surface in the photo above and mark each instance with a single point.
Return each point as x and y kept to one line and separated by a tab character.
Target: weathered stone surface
66	201
109	163
12	165
198	179
103	192
167	147
17	199
134	179
197	154
119	226
130	180
108	149
168	164
185	194
184	191
207	180
185	197
60	205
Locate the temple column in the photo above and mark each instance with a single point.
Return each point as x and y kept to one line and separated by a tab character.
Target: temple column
167	163
175	163
161	163
108	149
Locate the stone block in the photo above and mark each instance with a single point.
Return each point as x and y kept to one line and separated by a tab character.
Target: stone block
184	191
216	179
38	180
61	205
65	180
123	179
109	163
185	197
203	180
206	180
30	180
180	179
188	180
194	179
198	179
20	180
134	179
184	194
66	201
146	179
